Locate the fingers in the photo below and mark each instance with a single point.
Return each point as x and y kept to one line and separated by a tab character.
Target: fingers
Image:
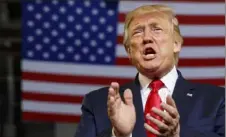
128	97
113	98
162	126
151	129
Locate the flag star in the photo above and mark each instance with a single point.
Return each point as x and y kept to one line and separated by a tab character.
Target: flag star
70	18
107	58
94	11
38	16
110	12
70	34
55	2
30	23
62	10
46	9
46	25
78	27
100	51
55	17
38	47
102	20
30	38
54	33
30	7
45	55
54	48
70	49
78	11
110	28
86	19
61	41
109	44
30	54
93	43
101	36
85	50
85	35
102	4
71	2
38	32
94	28
77	57
61	56
62	26
78	42
87	3
92	58
46	40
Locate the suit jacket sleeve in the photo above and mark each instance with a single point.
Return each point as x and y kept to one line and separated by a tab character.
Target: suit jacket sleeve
86	127
219	128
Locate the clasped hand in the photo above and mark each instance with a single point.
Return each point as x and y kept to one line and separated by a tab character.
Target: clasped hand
123	115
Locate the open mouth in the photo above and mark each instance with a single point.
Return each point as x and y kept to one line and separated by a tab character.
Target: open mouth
149	51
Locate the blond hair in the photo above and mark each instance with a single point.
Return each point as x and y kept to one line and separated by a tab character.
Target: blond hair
150	9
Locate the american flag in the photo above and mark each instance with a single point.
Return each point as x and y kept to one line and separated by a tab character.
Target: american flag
71	47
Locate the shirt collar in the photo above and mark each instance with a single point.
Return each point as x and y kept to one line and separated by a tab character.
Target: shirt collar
169	80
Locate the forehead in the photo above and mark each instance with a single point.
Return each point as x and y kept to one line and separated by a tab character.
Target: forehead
153	17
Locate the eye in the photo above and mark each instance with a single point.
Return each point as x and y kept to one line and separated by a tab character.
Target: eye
157	29
137	31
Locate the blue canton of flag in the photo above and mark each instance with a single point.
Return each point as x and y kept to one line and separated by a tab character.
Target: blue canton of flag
78	31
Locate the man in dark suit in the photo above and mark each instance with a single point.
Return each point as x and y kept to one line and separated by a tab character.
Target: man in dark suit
159	102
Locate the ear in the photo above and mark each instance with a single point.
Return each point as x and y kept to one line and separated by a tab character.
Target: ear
176	47
128	50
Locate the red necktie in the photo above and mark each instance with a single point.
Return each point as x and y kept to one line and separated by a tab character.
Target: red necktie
153	100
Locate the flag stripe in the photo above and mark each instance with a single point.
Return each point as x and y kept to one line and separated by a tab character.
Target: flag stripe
205	62
185	8
51	107
29	95
38	116
194	41
108	80
57	88
192	19
196	52
111	71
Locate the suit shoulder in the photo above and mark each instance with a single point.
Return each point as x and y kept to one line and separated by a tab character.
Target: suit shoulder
210	89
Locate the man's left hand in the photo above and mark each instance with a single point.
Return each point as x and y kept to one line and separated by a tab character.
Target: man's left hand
170	126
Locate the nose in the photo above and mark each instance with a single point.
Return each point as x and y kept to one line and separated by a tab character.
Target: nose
147	36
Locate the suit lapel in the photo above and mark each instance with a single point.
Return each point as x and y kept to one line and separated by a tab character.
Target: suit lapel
184	96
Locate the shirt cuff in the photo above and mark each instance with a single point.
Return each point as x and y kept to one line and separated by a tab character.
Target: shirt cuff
113	134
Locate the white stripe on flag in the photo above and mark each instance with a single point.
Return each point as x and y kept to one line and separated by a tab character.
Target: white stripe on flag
57	88
194	52
191	8
113	71
192	30
50	107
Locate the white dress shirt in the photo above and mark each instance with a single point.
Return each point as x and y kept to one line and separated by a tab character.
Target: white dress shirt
169	81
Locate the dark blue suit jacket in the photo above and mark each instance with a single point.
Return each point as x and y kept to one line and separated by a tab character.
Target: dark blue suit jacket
201	115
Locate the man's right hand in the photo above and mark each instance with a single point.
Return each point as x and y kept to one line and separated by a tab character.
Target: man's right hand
122	114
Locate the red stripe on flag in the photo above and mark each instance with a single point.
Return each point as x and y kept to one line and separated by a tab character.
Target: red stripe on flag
34	116
52	97
72	79
97	80
191	19
194	41
184	62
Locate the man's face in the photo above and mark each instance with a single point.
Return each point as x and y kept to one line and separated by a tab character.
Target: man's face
151	43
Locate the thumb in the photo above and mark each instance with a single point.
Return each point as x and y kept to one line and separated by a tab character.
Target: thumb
128	96
170	101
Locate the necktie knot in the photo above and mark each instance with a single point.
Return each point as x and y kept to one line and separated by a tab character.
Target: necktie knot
156	84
